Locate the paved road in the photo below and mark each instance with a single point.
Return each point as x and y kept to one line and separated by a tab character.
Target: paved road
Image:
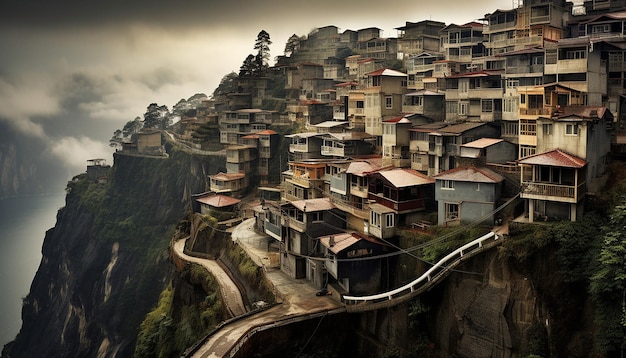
297	296
230	291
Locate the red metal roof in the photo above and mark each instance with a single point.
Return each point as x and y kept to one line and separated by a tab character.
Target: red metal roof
218	201
386	72
555	158
471	174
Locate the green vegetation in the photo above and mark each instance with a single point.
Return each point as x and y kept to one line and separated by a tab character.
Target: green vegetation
171	327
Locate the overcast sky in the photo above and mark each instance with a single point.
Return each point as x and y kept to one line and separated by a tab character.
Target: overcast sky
71	72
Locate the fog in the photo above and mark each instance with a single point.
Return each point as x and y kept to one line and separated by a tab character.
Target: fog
71	72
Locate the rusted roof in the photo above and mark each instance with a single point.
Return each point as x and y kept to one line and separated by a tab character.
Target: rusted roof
266	132
311	205
250	136
482	143
400	119
583	112
555	158
402	178
218	201
471	174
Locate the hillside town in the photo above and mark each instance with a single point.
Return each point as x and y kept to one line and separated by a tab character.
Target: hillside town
439	126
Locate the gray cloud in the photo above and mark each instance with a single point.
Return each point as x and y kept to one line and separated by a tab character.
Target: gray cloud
71	72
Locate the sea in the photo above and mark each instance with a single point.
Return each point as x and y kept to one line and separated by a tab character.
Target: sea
24	221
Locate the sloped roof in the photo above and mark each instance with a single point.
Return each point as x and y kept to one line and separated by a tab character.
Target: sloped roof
267	132
342	241
402	178
400	119
484	73
387	72
583	112
482	143
425	93
470	174
350	136
311	205
227	177
330	124
360	168
460	128
555	158
302	135
218	201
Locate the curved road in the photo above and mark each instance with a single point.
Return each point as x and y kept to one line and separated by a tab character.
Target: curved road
297	296
230	293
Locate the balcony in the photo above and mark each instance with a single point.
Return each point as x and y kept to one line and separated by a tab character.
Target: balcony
553	192
499	27
347	208
294	223
333	151
436	149
567	66
304	148
543	111
399	206
273	230
358	190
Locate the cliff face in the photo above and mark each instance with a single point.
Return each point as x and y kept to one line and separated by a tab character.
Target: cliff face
492	306
105	261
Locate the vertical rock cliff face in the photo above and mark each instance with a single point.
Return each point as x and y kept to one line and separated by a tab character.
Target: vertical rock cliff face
492	306
105	261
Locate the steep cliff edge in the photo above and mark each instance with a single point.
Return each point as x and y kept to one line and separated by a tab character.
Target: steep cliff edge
105	262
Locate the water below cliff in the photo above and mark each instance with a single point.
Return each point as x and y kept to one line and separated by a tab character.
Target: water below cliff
23	223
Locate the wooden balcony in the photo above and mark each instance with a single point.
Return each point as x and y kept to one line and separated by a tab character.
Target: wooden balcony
347	208
553	192
399	206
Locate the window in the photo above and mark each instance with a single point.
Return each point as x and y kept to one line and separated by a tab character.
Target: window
463	108
522	99
452	211
571	129
547	128
390	220
526	150
575	54
374	219
388	102
477	186
487	105
452	107
536	60
527	127
447	184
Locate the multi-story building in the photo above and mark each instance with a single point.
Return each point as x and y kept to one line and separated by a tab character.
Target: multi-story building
383	98
474	96
463	43
417	37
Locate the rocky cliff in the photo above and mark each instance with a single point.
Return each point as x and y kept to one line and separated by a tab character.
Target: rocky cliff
105	262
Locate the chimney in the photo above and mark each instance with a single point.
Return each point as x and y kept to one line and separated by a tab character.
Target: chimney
331	241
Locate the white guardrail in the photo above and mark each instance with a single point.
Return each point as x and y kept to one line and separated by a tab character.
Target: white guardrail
427	276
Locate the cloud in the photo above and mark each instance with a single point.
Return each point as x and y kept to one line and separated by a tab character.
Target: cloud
74	152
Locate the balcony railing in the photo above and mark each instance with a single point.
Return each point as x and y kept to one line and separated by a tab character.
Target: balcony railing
399	206
345	207
535	111
555	192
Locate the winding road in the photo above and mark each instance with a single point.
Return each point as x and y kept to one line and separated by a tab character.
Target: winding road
230	293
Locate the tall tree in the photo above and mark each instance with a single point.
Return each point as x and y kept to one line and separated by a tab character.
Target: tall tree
228	84
292	45
262	45
249	66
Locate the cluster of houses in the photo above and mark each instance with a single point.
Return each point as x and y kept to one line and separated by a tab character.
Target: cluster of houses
529	101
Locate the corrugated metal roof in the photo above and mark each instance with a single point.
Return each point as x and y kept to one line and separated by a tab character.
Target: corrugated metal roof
482	143
400	119
471	174
583	112
218	201
402	178
555	158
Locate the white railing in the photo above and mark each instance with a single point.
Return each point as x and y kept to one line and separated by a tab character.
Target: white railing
427	276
